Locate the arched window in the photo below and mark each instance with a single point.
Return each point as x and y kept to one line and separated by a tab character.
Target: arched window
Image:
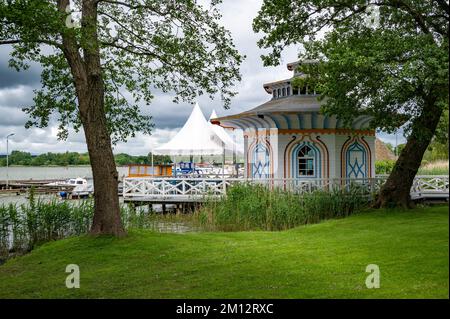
279	92
306	159
288	90
356	161
274	94
261	162
284	91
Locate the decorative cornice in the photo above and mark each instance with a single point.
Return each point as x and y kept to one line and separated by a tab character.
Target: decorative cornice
329	131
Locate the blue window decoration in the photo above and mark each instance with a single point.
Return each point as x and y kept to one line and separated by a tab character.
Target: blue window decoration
306	161
356	161
261	162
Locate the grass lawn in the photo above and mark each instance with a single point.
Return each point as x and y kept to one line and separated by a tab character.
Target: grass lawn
326	260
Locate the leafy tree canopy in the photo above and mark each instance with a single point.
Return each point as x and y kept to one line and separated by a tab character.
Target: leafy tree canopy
145	46
387	71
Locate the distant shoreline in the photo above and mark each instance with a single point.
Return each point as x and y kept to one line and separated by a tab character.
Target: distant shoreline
123	165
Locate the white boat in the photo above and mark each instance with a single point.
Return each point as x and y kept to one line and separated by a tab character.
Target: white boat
82	191
69	182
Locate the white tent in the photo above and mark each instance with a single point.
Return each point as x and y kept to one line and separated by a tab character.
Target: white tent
223	135
196	137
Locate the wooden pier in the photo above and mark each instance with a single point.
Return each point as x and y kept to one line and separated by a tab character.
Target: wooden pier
196	190
18	187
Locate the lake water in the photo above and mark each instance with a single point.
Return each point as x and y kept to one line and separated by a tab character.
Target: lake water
52	172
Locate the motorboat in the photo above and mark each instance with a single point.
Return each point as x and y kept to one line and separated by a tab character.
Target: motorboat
69	182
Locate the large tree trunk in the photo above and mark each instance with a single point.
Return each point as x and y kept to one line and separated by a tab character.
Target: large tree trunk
87	74
107	219
396	191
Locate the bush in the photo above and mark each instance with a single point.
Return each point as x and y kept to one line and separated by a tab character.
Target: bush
384	167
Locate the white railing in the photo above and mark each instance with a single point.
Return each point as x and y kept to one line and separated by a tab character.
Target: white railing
430	186
185	189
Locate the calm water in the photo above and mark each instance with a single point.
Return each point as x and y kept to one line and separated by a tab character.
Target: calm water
53	172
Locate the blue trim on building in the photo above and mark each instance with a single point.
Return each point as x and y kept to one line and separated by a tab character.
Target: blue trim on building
261	169
300	121
288	121
353	167
275	121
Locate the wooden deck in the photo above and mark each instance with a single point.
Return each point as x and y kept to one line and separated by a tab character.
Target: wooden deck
194	190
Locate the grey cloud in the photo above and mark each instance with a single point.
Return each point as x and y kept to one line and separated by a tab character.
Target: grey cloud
9	77
11	116
16	97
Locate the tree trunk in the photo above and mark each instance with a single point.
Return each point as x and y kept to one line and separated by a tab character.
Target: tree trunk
396	191
107	219
88	80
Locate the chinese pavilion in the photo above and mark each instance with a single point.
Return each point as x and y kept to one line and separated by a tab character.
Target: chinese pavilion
289	138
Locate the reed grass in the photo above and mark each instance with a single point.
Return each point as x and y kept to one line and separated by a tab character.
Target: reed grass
25	226
257	207
434	168
246	207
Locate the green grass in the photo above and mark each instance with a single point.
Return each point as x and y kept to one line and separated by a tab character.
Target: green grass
314	261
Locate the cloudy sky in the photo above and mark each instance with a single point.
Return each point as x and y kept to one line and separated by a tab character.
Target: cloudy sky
16	91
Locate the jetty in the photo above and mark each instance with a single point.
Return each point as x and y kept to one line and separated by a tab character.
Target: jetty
197	190
17	187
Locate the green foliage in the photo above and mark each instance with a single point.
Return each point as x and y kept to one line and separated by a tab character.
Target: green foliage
143	47
74	158
384	167
442	130
439	147
436	151
256	207
389	72
124	159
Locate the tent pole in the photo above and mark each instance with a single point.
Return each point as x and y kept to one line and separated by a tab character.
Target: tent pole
175	165
234	154
223	163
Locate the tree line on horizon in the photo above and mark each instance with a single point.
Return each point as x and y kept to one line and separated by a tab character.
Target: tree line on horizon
75	158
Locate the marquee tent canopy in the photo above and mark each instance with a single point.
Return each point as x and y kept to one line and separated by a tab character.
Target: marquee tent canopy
196	137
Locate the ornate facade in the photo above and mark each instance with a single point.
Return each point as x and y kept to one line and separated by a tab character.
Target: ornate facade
288	137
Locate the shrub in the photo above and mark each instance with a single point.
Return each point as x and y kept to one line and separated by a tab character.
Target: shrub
384	167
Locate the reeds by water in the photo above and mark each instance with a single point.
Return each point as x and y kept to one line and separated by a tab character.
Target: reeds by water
246	207
257	207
